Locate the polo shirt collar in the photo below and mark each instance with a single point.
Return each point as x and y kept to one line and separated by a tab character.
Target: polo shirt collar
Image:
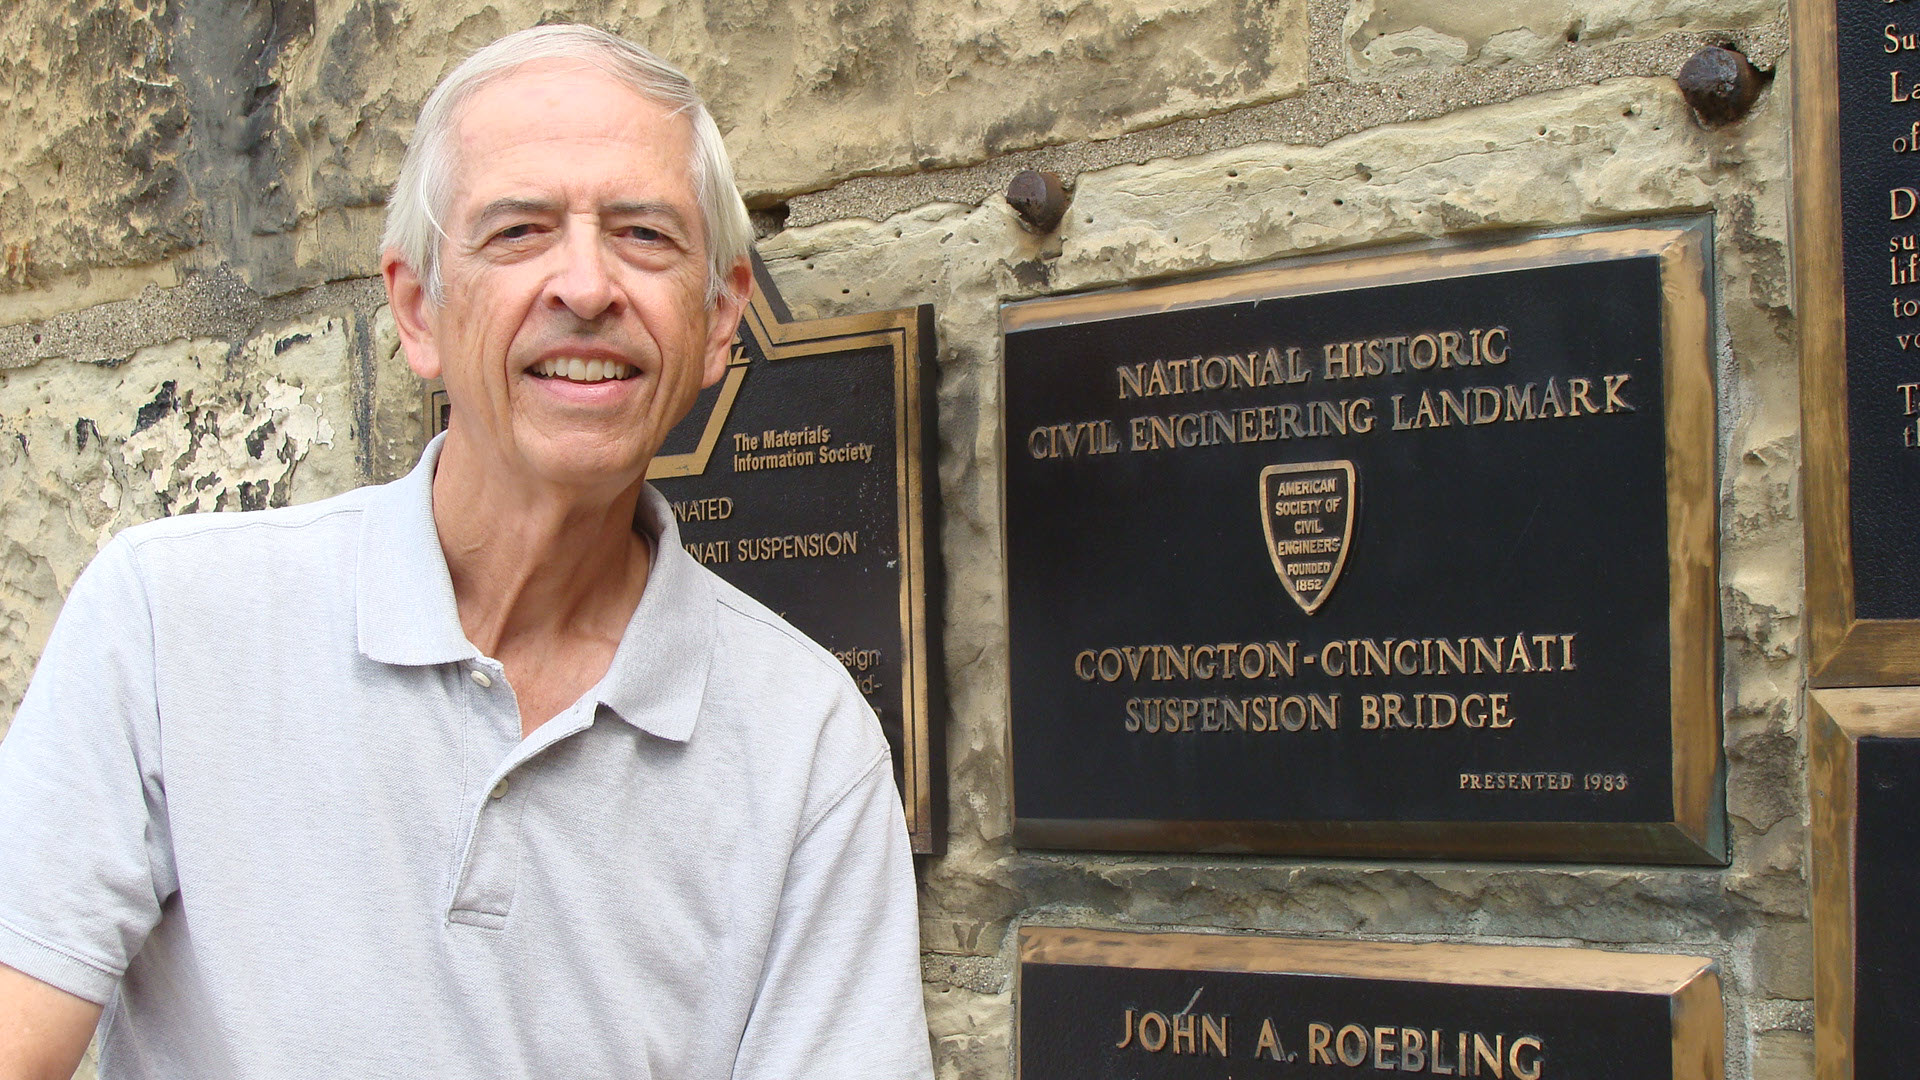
406	613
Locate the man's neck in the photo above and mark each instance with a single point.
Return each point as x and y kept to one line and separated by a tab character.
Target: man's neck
546	580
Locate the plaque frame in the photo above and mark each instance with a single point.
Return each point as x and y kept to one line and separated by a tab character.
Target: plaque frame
1838	719
909	334
1691	983
1845	650
1696	835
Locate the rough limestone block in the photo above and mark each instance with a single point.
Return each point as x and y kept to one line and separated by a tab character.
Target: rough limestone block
809	92
1383	37
972	1032
1783	1055
90	170
190	427
1783	961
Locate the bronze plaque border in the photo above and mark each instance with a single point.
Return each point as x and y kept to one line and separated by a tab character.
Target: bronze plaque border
1691	983
906	331
1697	833
1837	719
1845	650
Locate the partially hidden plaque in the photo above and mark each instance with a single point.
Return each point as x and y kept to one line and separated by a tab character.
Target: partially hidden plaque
801	477
1408	554
1856	249
1866	833
1125	1006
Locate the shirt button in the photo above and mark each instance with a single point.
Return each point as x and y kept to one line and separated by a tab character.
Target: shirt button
500	788
480	678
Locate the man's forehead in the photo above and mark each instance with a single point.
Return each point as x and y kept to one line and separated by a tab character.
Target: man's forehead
532	123
541	93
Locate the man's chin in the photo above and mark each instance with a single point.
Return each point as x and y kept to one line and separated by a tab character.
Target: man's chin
582	463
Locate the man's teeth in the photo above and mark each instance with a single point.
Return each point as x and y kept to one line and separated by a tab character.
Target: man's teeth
574	369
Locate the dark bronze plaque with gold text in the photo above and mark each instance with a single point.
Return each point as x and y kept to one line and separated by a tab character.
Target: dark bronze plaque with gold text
1856	145
800	478
1096	1004
1866	832
1406	554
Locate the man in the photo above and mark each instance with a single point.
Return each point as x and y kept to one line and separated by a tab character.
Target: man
478	773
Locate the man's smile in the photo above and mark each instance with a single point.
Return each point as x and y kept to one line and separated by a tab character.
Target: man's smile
581	370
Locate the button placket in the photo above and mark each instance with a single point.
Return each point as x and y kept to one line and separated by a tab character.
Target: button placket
489	869
492	870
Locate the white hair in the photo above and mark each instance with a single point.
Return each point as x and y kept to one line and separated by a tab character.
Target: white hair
425	185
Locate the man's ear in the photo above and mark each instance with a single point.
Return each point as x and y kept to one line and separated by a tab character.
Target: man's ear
725	321
407	299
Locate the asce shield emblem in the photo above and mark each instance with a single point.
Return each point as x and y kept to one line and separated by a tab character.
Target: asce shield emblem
1307	511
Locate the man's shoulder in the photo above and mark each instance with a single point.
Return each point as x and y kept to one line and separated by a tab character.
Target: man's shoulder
757	642
321	525
769	668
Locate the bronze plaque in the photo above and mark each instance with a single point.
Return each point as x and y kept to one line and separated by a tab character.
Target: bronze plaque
1096	1004
1866	833
801	478
1856	247
1408	554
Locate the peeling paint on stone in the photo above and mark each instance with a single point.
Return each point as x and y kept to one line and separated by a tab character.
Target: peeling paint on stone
187	427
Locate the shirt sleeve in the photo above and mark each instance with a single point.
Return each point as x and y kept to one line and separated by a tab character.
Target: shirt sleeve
85	859
841	997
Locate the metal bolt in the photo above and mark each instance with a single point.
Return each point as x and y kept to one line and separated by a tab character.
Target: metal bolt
1038	198
1720	84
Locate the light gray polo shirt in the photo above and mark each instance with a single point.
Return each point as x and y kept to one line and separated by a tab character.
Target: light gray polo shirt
265	801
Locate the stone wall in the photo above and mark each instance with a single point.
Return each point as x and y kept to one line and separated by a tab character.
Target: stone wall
189	321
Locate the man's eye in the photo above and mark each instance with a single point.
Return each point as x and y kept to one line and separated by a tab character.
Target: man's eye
514	232
641	232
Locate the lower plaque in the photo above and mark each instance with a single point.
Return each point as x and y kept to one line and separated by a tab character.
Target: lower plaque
1866	831
1099	1004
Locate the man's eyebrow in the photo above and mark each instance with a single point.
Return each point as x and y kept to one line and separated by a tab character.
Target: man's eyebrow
515	206
512	206
645	209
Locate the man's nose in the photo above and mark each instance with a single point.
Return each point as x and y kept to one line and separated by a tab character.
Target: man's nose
582	282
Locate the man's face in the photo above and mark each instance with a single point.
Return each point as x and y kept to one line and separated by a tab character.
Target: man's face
574	331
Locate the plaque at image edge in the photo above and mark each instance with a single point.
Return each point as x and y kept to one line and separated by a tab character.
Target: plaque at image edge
1391	555
1880	200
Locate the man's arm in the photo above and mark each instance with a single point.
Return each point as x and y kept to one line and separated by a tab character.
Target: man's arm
43	1030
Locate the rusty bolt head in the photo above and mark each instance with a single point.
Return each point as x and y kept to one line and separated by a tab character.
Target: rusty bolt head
1038	198
1720	85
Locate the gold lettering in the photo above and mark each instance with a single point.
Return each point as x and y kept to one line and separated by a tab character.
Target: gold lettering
1269	1043
1488	1055
1530	1069
1336	365
1126	1031
1319	1039
1520	404
1359	1055
1155	1042
1614	384
807	546
1384	1043
1439	1069
1413	1050
1212	1035
1183	1032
